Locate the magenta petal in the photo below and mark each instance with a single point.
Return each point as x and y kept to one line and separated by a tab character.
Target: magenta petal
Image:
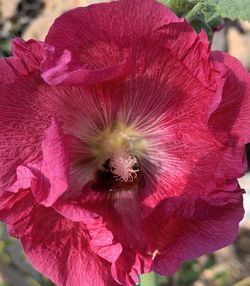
54	169
102	49
83	27
111	239
31	52
189	228
56	71
24	179
60	250
9	68
233	113
102	242
102	239
49	179
26	58
25	110
129	266
73	210
15	207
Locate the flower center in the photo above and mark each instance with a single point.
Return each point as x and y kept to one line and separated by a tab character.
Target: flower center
117	150
119	142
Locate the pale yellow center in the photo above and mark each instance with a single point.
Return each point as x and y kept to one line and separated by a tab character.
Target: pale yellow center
117	139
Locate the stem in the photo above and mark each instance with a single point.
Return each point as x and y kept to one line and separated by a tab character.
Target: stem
193	13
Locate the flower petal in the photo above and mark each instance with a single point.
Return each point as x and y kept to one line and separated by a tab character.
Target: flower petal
233	113
60	250
189	228
58	70
25	111
129	266
15	207
99	47
53	181
101	238
48	180
26	107
30	52
26	58
118	240
24	178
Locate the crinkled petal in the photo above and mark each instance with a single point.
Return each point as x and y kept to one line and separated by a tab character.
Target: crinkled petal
30	52
100	47
15	207
25	111
26	107
53	181
102	243
232	115
129	266
115	235
101	238
192	50
59	248
57	71
26	58
24	178
189	228
88	209
48	180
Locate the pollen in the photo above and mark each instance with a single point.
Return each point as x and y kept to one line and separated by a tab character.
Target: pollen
124	166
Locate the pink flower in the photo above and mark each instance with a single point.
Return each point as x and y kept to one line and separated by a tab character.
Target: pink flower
122	138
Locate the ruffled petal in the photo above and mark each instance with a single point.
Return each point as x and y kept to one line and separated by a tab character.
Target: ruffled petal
25	111
184	228
129	266
116	232
54	174
24	178
48	179
232	115
30	52
100	47
15	207
192	50
59	248
58	70
101	238
26	58
26	107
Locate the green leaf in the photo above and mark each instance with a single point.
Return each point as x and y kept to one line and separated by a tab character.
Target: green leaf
231	9
180	7
200	24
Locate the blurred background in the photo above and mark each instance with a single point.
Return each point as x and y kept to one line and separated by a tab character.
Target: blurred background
226	267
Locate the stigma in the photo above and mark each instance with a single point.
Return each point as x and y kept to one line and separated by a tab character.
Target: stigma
124	166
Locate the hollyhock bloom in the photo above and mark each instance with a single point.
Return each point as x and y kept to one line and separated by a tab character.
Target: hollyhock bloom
122	138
